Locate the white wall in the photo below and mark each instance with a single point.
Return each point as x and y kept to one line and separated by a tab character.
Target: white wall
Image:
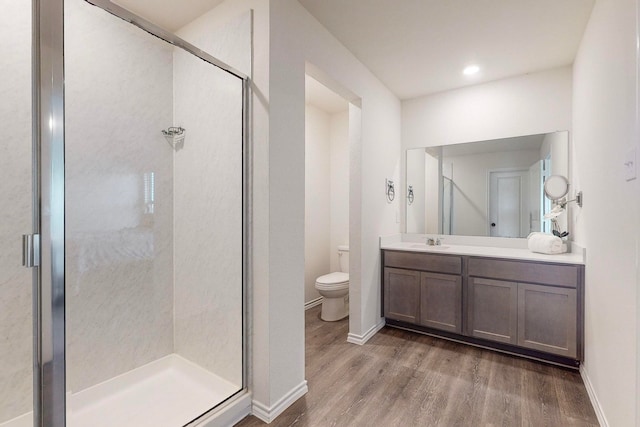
524	105
326	193
296	38
471	187
339	178
317	222
224	34
16	331
557	145
604	119
285	40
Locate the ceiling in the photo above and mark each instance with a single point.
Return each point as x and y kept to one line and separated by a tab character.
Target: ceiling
321	97
418	47
169	14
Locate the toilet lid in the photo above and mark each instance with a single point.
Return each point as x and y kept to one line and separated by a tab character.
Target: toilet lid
333	278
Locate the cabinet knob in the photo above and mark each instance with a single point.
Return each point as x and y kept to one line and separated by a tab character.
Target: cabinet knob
493	224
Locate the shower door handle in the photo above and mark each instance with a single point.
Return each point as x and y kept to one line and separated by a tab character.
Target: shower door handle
31	250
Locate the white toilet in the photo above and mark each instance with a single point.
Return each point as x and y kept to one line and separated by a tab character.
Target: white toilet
334	288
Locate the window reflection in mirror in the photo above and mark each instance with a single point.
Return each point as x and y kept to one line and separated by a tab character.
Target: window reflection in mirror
486	188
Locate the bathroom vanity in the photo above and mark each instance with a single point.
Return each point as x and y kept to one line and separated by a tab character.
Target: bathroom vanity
507	299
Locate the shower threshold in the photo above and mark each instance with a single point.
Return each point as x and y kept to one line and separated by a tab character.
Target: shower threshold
167	392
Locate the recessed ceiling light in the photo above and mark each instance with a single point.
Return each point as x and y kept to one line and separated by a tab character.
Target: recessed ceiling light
471	70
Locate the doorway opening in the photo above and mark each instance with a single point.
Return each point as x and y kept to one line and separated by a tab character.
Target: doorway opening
326	201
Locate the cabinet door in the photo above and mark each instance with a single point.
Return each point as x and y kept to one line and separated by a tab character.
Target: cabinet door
441	301
493	310
547	318
401	294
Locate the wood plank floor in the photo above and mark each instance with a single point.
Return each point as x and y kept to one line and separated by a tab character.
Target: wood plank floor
400	378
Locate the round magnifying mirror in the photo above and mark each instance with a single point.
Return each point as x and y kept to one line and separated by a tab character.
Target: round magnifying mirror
556	187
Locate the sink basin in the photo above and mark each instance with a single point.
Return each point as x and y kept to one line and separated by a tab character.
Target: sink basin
428	247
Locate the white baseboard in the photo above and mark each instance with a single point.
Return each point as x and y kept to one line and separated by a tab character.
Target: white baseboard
313	303
230	414
361	339
593	397
268	414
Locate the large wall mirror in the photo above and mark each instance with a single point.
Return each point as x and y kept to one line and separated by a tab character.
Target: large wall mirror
485	188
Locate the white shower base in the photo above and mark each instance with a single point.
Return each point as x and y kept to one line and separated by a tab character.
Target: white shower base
168	392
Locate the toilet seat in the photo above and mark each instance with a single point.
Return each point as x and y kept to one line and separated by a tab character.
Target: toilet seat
333	281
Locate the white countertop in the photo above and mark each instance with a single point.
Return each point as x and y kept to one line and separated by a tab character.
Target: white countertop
485	251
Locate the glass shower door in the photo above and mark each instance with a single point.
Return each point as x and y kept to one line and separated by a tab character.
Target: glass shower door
16	312
142	264
154	227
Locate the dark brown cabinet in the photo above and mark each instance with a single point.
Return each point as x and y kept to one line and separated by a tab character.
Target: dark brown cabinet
429	299
423	289
493	310
441	301
538	317
402	294
541	316
547	319
527	307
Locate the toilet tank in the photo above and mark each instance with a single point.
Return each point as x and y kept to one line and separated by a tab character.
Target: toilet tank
343	257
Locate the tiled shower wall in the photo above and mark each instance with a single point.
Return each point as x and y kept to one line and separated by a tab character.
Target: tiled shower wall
148	278
15	209
208	218
208	197
119	200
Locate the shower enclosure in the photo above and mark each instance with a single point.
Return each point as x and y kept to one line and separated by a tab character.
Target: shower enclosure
135	310
447	205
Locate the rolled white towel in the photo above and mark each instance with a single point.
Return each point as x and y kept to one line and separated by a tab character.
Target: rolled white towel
544	243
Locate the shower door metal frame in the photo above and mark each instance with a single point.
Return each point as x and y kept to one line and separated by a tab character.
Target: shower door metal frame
48	129
48	212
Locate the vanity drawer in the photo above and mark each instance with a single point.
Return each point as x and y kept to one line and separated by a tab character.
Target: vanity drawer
425	262
521	271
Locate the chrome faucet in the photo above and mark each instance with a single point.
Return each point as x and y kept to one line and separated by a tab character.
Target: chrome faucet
434	242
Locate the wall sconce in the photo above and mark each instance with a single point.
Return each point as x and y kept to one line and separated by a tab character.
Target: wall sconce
410	196
390	190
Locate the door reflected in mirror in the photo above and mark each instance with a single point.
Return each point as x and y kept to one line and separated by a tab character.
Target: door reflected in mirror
486	188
